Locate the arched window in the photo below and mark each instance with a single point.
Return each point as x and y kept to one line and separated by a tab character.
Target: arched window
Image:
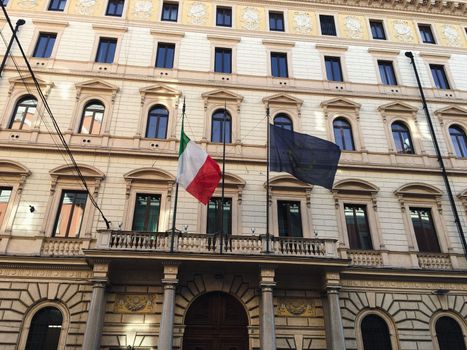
402	140
23	114
343	134
459	141
158	119
218	124
44	332
375	333
449	334
283	121
91	120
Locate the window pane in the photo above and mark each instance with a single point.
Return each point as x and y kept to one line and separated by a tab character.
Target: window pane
158	119
217	127
146	214
70	214
283	121
45	45
402	139
23	114
5	194
386	70
279	65
214	221
44	332
439	76
223	60
459	141
424	229
115	8
169	12
357	226
91	122
333	68
343	134
276	21
377	30
289	219
224	17
106	50
328	26
375	333
165	55
426	34
57	5
449	334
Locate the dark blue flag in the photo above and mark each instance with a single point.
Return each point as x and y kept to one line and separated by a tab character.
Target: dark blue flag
308	158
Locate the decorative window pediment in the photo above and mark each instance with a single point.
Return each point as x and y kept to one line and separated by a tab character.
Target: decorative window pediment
341	104
96	86
397	108
420	191
13	171
221	96
452	111
149	176
289	184
234	183
26	82
357	188
284	103
158	90
68	172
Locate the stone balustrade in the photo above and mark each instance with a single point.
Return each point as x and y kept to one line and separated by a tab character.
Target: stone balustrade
228	244
61	246
365	257
435	261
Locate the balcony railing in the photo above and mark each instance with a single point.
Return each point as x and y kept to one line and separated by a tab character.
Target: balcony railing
435	261
61	246
207	243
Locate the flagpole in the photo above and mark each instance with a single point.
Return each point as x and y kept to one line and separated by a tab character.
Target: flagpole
223	177
267	178
176	189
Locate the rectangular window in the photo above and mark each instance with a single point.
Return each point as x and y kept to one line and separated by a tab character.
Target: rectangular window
357	226
224	16
377	30
165	55
289	218
57	5
386	70
106	50
147	212
215	221
426	34
70	214
5	193
439	76
223	60
333	68
115	8
328	27
45	44
424	229
169	11
279	65
276	21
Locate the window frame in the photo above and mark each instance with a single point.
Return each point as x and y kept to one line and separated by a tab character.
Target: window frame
165	46
381	22
283	115
49	6
353	148
86	105
146	216
282	54
218	216
49	34
224	49
299	204
333	59
227	116
108	39
438	246
59	210
218	7
463	131
170	3
454	314
115	15
445	76
275	20
161	106
393	71
410	138
13	113
422	33
321	26
393	334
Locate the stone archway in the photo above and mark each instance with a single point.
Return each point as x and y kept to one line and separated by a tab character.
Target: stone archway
216	321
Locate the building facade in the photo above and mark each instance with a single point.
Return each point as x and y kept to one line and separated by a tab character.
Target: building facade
376	263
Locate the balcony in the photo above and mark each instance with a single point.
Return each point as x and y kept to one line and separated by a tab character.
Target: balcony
215	244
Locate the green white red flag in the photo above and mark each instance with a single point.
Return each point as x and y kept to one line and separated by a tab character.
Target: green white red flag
197	172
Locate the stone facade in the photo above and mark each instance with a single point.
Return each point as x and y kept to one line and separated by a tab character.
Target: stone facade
117	288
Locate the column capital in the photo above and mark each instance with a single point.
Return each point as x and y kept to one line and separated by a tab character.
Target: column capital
99	282
170	270
267	273
267	285
169	282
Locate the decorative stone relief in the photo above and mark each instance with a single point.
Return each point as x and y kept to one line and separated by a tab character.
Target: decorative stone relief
452	35
143	8
135	303
353	26
198	13
28	4
85	7
302	22
403	30
250	18
295	307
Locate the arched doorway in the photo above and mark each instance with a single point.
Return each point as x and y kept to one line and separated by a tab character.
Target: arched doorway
216	321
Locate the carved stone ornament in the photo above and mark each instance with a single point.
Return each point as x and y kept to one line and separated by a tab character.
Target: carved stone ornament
403	30
198	13
85	7
135	303
143	8
354	27
28	4
295	307
302	22
250	18
452	35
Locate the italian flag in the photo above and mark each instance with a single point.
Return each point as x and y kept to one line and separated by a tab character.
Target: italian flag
198	173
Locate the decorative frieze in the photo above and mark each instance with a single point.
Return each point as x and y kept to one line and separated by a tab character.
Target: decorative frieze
295	307
135	303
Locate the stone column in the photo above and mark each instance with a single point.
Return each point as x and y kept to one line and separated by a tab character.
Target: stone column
267	326
170	281
333	319
96	312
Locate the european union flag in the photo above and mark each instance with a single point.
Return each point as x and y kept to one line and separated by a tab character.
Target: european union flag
308	158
